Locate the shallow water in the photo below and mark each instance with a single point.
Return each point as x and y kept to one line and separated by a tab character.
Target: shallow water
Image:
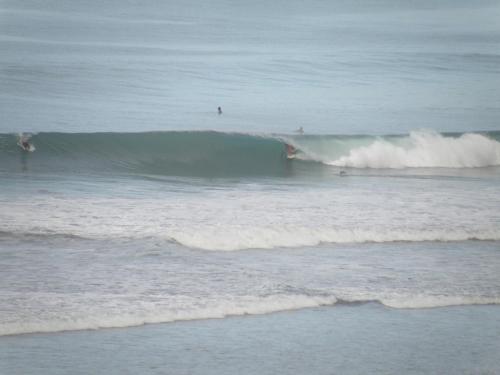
346	339
58	283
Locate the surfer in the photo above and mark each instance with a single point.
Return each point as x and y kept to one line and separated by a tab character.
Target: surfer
290	151
219	110
300	130
24	142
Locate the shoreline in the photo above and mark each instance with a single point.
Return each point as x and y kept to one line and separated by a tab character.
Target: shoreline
339	304
322	340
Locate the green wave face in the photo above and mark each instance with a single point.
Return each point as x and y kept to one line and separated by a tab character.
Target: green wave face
204	154
215	154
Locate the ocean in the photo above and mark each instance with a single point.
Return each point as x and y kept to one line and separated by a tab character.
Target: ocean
144	232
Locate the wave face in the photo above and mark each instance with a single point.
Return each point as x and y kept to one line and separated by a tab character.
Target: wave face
162	153
215	154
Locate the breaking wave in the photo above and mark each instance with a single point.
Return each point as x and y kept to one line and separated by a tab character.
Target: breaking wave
187	308
230	239
299	237
424	149
217	154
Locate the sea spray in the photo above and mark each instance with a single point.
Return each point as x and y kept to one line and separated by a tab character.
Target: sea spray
424	149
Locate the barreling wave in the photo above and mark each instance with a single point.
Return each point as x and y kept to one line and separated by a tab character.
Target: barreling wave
218	154
419	149
176	153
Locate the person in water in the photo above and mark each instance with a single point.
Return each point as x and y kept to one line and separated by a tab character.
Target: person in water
25	142
300	130
219	110
290	151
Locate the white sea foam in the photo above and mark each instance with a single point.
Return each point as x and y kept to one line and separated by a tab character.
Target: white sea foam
234	239
243	217
99	314
268	238
423	301
424	148
178	308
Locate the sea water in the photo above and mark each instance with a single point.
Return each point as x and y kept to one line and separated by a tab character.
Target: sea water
141	204
343	340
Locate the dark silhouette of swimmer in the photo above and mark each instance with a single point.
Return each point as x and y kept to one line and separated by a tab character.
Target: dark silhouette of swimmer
219	110
25	144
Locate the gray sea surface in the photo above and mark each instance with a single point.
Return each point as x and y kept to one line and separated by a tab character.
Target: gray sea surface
349	339
141	231
332	67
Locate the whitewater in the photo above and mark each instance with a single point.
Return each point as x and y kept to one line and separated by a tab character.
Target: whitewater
306	201
343	203
351	219
217	224
223	154
235	215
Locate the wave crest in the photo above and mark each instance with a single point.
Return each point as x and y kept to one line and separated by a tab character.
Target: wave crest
186	308
260	238
218	154
424	149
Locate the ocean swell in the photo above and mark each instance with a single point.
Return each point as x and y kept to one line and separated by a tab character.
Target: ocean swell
217	154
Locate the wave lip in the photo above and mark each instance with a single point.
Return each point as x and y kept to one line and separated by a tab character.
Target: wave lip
425	148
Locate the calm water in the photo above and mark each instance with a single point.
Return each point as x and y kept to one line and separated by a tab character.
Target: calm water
139	203
330	66
343	340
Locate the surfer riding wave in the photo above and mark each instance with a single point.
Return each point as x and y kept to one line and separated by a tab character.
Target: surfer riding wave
291	151
24	142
